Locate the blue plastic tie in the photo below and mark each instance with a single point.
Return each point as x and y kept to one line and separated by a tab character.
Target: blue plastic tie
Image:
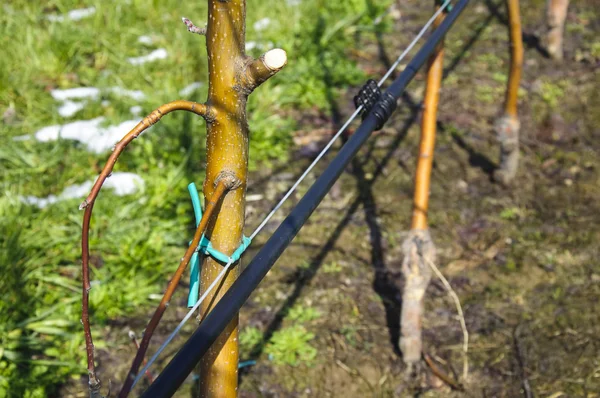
205	247
195	261
448	8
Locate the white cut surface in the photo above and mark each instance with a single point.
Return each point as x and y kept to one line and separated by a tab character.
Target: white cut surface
275	59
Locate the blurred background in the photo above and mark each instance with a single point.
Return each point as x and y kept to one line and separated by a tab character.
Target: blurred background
75	76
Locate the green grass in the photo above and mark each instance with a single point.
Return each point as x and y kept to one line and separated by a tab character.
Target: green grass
135	240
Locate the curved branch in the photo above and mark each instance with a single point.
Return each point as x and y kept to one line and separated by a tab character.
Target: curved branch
259	70
223	186
153	118
88	205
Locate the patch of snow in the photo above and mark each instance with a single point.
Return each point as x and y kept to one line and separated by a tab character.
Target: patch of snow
145	39
135	110
105	103
69	108
25	137
75	93
262	24
251	45
190	89
122	184
73	15
137	95
93	93
157	54
89	132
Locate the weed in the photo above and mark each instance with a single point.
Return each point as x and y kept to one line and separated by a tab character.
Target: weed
250	337
332	268
552	93
350	333
302	314
510	213
488	94
290	346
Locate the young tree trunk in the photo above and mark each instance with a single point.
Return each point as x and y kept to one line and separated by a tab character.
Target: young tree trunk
556	15
232	77
507	126
418	247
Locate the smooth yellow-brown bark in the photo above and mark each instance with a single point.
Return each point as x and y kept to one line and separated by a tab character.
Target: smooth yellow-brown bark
516	58
428	130
227	151
232	77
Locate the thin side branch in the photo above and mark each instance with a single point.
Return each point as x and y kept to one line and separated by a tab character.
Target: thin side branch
88	205
259	70
220	190
461	316
193	28
441	374
148	121
137	347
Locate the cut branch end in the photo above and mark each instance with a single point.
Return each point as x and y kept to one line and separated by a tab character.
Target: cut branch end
275	59
257	71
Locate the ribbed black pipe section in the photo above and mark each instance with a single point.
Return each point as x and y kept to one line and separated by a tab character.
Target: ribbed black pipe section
211	327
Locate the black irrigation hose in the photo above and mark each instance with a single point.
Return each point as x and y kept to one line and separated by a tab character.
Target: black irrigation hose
169	380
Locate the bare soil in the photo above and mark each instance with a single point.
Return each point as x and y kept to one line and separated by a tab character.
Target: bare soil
524	260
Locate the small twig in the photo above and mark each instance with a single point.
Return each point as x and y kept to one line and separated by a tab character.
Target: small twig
521	360
461	317
137	347
354	372
193	28
220	190
441	375
88	205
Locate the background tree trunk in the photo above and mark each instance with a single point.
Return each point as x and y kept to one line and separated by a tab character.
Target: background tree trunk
418	246
507	126
556	15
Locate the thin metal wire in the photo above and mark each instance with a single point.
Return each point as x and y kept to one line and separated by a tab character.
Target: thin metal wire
414	42
183	322
291	190
352	117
